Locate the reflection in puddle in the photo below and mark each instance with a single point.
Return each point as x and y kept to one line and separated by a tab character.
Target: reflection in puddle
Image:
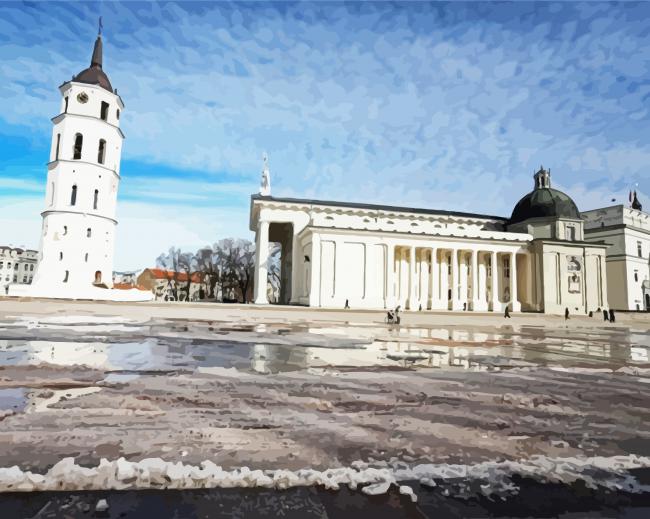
126	356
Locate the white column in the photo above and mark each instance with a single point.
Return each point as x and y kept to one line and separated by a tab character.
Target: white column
495	283
444	281
390	276
482	283
434	280
261	260
296	271
516	305
412	302
475	297
314	289
463	280
455	302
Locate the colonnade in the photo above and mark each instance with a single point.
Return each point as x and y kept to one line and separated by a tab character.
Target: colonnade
452	278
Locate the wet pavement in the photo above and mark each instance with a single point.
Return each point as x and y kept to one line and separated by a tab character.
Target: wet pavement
289	395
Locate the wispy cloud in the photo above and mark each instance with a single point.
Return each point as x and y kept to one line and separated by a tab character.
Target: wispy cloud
438	105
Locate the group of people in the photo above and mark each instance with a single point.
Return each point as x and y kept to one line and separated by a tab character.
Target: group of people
392	316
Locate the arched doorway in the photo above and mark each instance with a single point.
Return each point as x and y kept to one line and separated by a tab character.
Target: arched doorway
98	277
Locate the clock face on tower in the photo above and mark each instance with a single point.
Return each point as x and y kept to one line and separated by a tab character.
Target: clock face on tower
82	97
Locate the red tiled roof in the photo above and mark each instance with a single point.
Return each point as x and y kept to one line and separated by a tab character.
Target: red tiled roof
127	286
197	277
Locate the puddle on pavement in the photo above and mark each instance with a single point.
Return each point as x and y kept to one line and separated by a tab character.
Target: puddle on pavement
13	399
443	348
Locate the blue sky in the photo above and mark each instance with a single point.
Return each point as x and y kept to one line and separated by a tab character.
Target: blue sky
448	106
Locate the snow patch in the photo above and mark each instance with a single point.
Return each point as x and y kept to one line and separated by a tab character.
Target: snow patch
487	478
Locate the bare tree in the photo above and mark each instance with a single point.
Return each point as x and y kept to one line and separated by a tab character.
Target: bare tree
274	267
237	259
230	262
207	262
177	262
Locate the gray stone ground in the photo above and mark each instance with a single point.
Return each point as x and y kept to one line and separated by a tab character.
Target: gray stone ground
302	388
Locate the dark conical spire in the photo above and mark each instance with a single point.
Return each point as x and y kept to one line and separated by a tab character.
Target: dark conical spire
96	60
95	75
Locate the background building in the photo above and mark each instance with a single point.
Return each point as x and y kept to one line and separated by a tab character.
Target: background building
627	232
17	266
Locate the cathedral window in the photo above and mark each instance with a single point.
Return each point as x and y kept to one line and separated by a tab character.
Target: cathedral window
65	230
570	233
104	111
95	198
574	267
31	268
73	196
65	110
86	258
60	256
102	151
639	249
58	143
52	194
78	144
88	232
117	114
67	275
506	267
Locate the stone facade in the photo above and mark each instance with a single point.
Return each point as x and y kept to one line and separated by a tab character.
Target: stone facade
626	231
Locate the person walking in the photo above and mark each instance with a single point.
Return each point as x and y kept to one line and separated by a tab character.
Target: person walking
612	317
506	314
566	313
605	316
347	304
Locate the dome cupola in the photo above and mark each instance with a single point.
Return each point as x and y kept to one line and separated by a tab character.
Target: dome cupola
544	202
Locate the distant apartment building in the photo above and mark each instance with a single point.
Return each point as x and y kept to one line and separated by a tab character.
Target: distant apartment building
627	232
126	278
17	266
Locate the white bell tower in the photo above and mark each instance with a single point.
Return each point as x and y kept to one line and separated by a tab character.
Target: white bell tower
78	233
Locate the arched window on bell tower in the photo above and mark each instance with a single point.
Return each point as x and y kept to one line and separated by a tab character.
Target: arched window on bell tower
95	198
101	153
78	144
73	196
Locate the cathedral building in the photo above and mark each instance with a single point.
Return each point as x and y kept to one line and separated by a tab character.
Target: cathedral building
377	256
79	223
